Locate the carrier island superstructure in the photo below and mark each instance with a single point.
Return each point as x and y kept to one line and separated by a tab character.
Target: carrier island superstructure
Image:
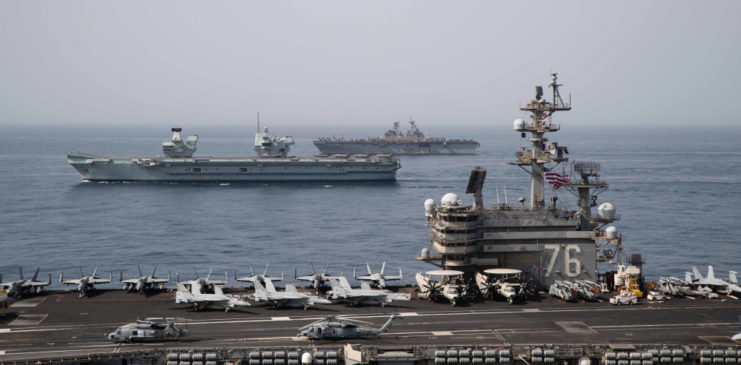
273	163
409	142
542	238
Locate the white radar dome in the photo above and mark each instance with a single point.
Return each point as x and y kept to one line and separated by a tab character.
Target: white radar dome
429	206
450	200
606	210
306	358
519	125
611	232
425	254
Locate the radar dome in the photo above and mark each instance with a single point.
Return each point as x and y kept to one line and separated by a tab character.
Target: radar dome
606	210
611	232
519	125
425	254
450	200
429	206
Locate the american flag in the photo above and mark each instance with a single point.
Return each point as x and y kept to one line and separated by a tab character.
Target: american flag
557	180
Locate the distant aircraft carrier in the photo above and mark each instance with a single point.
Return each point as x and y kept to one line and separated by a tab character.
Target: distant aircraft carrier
410	142
272	164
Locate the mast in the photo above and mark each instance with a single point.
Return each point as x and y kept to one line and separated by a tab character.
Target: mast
541	112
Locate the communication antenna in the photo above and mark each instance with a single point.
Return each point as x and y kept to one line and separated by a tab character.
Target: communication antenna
258	121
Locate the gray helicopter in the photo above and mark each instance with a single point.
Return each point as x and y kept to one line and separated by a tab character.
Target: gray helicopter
147	329
337	328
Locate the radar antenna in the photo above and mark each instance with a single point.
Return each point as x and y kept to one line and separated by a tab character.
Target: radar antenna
541	112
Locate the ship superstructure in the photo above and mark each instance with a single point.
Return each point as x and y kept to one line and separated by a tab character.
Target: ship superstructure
547	241
409	142
273	163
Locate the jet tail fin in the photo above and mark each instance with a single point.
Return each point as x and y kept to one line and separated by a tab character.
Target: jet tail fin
697	274
711	272
154	271
36	274
20	273
731	277
688	277
140	270
383	267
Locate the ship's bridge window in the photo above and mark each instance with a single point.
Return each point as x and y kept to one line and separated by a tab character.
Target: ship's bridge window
196	169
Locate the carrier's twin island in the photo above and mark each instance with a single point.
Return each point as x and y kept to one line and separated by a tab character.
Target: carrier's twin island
272	163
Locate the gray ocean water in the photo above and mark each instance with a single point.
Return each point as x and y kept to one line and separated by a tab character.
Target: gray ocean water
678	193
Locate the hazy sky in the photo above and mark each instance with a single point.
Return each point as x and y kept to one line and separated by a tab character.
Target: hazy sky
361	63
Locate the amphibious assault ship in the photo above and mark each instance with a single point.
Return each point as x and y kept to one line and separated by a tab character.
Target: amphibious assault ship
410	142
542	238
273	163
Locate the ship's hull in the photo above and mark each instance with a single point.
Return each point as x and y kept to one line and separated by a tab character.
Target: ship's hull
237	169
398	148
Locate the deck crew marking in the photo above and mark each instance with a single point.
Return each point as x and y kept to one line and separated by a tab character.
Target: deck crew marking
280	318
28	303
576	327
4	330
442	333
408	314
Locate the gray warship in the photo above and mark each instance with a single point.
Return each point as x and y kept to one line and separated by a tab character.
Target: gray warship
396	141
545	240
273	163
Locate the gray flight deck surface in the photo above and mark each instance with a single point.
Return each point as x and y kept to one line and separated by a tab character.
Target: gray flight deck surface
63	324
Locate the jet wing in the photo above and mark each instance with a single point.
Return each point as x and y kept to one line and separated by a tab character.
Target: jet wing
100	281
159	281
130	281
71	282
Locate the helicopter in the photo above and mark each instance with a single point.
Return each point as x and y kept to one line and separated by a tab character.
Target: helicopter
147	329
336	328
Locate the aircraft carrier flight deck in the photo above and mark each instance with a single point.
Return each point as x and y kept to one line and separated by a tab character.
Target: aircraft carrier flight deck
60	325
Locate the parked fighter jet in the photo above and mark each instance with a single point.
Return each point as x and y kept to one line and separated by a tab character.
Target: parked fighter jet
144	282
342	290
85	284
670	285
505	283
24	286
147	329
377	279
265	292
319	280
207	282
336	328
716	284
450	286
563	290
261	278
204	295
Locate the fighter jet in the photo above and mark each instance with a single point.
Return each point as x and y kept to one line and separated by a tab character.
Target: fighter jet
265	292
147	329
24	286
337	328
450	286
85	284
144	282
563	290
670	285
377	279
716	284
202	294
319	280
342	290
